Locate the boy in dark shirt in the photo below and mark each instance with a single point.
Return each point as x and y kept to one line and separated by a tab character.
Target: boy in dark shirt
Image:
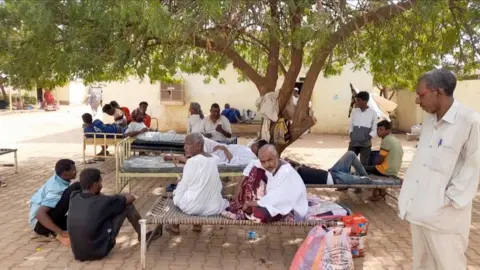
94	219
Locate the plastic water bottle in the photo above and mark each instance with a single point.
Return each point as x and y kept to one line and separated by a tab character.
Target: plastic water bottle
252	235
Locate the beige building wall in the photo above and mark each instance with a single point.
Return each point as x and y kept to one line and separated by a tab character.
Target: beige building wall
409	114
331	98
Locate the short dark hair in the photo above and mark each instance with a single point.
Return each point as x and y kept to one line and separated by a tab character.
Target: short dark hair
88	177
261	143
215	106
440	79
63	165
385	124
363	95
106	108
143	103
87	118
114	104
227	106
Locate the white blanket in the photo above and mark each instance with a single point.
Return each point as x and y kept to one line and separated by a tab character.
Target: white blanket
285	192
242	154
200	190
154	136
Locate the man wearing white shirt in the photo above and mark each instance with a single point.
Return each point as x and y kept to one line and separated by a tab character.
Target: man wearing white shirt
442	179
216	126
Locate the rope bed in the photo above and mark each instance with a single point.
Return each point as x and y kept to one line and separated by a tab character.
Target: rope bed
163	211
5	151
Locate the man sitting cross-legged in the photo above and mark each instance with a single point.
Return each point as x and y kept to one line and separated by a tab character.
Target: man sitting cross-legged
49	205
285	192
94	219
199	192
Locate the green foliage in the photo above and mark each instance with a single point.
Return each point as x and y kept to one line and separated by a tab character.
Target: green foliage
47	43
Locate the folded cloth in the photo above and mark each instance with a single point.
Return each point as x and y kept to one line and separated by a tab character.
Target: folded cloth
319	209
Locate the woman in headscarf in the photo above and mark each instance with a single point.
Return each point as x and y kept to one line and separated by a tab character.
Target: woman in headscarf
195	121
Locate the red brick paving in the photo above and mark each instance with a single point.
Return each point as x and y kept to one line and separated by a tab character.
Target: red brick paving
215	247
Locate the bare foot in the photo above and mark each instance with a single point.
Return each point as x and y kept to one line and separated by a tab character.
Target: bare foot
64	238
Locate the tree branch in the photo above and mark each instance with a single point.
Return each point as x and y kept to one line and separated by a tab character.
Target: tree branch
344	32
274	47
296	60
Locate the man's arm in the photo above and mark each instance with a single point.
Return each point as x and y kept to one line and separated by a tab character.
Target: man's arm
135	133
373	130
225	150
44	219
382	156
350	128
463	187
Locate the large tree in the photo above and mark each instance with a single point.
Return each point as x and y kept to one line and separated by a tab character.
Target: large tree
47	42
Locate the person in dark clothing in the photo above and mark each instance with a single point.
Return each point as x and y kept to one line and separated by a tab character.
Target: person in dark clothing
94	219
338	174
49	205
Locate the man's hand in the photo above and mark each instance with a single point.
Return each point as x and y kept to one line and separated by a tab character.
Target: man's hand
208	135
129	198
143	130
64	238
219	128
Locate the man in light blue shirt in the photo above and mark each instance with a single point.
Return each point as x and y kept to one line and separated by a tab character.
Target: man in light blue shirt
49	205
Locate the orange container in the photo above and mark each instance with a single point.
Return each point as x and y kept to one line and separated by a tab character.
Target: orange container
358	234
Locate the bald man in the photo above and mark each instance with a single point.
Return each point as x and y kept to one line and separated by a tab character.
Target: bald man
199	192
285	193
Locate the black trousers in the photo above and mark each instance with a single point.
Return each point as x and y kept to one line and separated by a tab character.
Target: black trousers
59	213
373	170
363	151
133	217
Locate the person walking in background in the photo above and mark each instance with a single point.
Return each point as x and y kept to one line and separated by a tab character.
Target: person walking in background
442	179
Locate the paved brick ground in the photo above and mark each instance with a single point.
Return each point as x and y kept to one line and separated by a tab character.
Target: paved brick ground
43	138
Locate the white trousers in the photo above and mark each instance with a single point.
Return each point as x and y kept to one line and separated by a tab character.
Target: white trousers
434	250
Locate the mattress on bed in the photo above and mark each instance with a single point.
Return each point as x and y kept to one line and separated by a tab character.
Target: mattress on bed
174	146
156	164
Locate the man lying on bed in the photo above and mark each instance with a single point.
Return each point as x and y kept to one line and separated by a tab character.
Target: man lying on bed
97	126
272	191
231	154
138	129
340	174
199	192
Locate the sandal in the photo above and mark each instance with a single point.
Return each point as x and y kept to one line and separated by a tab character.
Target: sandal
3	184
172	230
197	228
381	194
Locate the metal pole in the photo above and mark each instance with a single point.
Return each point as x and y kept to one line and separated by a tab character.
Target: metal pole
10	99
143	242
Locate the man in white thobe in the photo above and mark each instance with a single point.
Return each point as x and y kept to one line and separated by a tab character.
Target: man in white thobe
442	180
285	192
199	192
216	126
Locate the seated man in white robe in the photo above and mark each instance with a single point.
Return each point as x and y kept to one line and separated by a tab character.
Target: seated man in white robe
199	192
139	130
285	192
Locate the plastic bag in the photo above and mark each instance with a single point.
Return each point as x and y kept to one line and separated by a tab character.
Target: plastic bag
324	250
280	131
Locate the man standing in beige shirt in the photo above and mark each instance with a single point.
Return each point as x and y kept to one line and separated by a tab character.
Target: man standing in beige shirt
442	179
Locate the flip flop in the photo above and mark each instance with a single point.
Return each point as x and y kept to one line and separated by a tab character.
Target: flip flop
197	228
171	231
3	184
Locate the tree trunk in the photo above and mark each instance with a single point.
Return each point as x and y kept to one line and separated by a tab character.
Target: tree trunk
4	93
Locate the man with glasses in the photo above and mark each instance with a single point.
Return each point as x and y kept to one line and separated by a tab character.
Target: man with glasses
442	179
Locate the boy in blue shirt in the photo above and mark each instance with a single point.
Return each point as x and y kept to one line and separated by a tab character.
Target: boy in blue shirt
97	126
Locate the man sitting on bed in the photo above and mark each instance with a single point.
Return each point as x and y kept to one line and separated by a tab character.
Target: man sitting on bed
199	192
139	130
285	191
97	126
